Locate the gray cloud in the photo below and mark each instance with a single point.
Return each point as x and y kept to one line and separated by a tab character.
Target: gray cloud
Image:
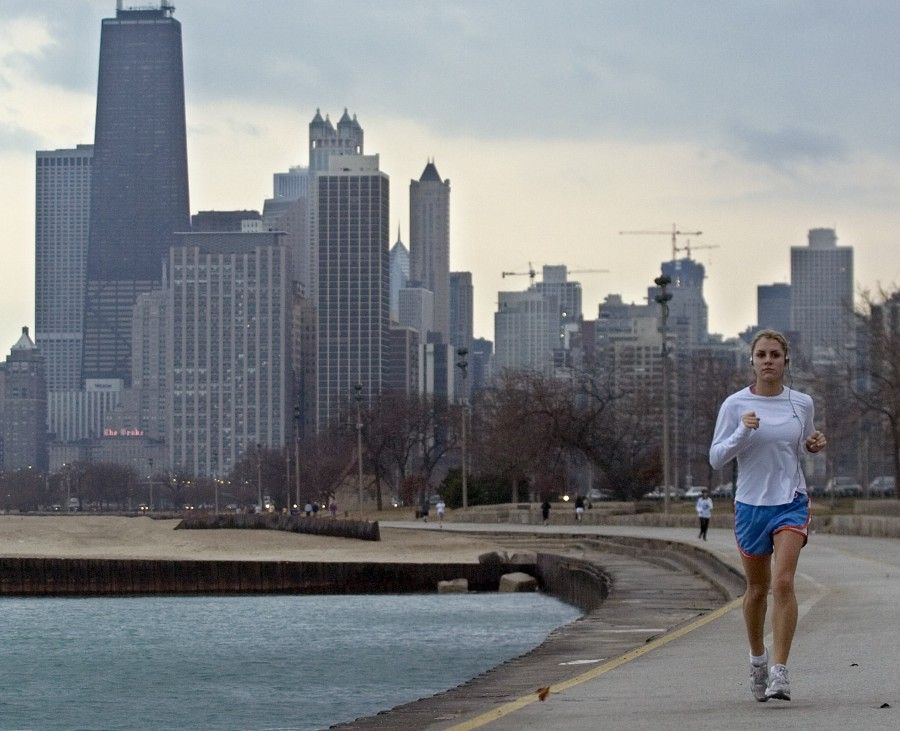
15	139
641	70
783	148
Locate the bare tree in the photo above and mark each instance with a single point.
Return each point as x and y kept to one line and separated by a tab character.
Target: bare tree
878	387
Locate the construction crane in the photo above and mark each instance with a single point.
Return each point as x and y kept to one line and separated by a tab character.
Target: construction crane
674	233
531	273
687	247
587	271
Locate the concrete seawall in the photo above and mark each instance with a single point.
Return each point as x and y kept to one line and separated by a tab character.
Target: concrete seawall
111	577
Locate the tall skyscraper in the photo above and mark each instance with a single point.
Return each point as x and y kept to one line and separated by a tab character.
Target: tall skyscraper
773	306
822	296
139	186
429	241
353	294
229	303
399	274
210	221
325	142
23	407
461	310
61	215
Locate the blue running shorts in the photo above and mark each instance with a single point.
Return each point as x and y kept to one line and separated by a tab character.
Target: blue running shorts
755	525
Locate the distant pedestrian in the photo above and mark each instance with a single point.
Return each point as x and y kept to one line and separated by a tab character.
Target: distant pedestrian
704	508
440	507
315	508
545	510
308	509
424	510
765	427
332	507
579	508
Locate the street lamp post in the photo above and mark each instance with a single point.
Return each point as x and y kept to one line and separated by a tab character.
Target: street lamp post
663	297
358	395
463	365
259	502
297	452
150	481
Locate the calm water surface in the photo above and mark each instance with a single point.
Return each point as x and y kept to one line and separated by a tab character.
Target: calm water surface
250	662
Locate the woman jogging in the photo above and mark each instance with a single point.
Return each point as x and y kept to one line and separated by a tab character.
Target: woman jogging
765	426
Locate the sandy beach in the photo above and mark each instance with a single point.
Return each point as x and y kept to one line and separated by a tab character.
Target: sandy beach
90	536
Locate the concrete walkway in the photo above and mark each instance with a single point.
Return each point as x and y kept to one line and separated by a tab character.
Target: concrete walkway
845	662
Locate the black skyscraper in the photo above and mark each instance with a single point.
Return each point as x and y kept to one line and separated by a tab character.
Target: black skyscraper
139	191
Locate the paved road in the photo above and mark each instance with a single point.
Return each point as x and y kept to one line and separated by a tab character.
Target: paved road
845	661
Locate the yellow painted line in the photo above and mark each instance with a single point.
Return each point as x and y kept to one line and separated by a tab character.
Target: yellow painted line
526	700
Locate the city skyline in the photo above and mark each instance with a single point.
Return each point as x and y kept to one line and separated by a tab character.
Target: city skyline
634	127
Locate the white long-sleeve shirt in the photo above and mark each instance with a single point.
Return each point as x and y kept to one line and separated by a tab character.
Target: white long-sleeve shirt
704	506
768	458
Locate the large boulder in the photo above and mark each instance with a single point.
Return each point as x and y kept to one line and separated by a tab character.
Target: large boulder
453	586
493	558
523	558
517	581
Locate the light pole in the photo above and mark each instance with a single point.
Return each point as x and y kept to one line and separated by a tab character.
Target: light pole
663	297
357	394
259	503
463	365
150	481
297	452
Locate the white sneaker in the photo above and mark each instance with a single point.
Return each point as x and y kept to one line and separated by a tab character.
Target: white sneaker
779	684
759	679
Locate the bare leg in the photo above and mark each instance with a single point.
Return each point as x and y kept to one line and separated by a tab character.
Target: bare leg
784	611
758	574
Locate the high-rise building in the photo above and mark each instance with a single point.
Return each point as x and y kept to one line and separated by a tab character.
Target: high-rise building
399	274
481	362
325	142
291	216
291	185
773	307
416	310
526	331
555	280
353	293
210	221
688	313
23	407
83	413
403	362
228	388
61	216
429	241
303	361
148	363
461	309
461	322
139	184
822	297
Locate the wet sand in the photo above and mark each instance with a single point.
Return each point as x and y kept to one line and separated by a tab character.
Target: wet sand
91	536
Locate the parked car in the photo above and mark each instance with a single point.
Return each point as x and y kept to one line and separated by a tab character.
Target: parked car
658	494
843	486
723	490
600	495
882	486
694	491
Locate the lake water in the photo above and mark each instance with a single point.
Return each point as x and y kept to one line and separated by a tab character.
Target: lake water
250	662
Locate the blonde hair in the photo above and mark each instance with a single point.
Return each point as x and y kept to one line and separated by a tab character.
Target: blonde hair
772	335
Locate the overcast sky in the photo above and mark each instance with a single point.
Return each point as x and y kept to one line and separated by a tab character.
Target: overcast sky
558	124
